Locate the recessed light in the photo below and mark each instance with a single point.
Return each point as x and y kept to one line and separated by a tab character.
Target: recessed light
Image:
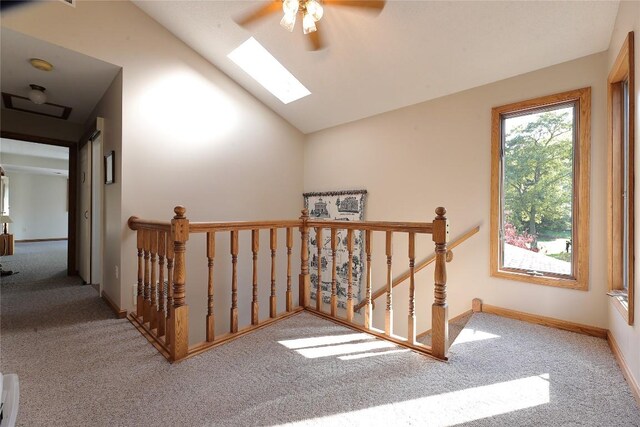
256	61
41	64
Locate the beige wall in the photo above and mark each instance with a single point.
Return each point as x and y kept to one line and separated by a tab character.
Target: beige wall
37	125
628	337
190	135
109	112
38	206
437	153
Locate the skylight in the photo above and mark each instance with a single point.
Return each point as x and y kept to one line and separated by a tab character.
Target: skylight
256	61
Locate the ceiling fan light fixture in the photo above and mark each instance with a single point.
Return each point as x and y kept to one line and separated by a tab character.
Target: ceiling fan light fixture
288	21
314	9
290	7
37	95
308	24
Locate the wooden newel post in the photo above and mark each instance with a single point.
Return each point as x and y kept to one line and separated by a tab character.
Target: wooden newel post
439	310
179	322
305	281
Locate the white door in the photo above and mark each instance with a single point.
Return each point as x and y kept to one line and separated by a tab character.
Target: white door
97	183
84	238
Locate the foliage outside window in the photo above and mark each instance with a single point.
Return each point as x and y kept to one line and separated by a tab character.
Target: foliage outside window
540	163
620	215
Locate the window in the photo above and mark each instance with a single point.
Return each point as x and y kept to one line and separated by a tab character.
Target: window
620	224
540	190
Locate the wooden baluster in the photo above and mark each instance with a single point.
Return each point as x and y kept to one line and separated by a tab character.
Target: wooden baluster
162	250
334	279
289	246
319	278
153	322
350	276
179	345
412	290
368	308
304	260
234	282
170	263
211	253
273	302
255	246
388	320
439	309
146	313
140	297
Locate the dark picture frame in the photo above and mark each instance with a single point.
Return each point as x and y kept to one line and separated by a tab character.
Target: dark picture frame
109	168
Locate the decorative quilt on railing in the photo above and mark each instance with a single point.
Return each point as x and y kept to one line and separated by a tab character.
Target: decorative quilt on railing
341	206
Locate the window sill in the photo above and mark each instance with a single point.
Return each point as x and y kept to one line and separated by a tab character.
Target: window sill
557	282
621	303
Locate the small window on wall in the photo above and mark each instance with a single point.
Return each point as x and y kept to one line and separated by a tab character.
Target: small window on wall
540	190
620	221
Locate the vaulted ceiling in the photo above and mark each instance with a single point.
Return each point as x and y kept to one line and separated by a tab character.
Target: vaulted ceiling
411	52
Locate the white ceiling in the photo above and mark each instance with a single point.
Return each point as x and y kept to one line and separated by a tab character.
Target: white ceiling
411	52
22	148
77	81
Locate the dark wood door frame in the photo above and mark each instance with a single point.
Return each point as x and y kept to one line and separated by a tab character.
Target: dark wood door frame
73	188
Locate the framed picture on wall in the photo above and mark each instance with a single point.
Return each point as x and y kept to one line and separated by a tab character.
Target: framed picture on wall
109	168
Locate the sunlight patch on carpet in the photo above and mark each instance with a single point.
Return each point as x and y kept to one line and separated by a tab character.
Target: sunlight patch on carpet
457	407
373	354
324	340
471	335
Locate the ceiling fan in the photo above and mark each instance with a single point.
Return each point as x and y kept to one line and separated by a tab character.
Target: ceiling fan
311	12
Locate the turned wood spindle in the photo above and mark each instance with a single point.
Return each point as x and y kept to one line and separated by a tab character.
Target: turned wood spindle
334	278
162	250
368	308
439	309
289	294
304	260
211	253
153	310
234	282
273	243
169	310
350	276
255	247
412	290
319	278
388	319
147	277
140	296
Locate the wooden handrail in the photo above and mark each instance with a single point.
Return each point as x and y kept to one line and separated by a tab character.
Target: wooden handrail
163	315
136	223
205	227
202	227
404	227
398	280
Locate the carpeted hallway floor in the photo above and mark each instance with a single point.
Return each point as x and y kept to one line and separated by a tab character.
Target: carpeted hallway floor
79	366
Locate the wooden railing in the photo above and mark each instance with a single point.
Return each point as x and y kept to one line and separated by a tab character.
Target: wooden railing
162	314
422	265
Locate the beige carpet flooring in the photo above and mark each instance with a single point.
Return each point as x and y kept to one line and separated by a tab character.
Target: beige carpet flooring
79	366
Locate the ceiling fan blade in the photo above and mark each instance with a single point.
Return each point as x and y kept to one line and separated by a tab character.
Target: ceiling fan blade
316	42
256	15
371	5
